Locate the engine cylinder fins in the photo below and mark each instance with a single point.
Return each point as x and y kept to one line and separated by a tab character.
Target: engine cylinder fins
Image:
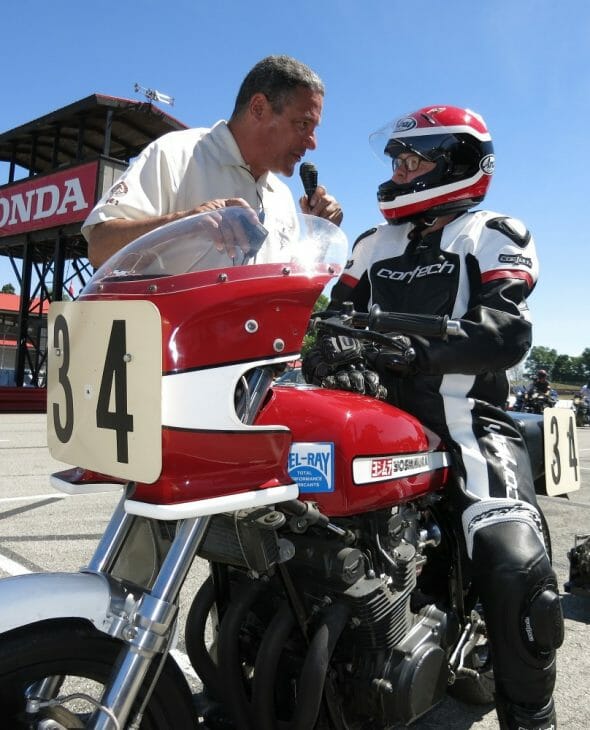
381	617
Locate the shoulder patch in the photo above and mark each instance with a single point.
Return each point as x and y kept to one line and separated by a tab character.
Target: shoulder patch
511	227
364	235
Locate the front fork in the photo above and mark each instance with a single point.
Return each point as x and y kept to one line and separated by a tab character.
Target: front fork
145	625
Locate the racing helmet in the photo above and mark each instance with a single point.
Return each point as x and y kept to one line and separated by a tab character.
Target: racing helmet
457	141
541	374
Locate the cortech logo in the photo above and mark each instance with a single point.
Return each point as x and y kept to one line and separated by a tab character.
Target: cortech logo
488	164
444	268
405	124
517	259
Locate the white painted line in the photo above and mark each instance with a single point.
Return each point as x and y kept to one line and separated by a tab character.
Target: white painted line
184	663
12	567
25	498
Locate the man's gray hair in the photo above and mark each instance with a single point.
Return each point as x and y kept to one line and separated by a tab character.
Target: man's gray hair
278	78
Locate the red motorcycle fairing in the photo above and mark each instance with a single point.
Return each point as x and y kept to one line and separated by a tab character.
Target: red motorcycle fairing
204	313
201	458
203	465
362	429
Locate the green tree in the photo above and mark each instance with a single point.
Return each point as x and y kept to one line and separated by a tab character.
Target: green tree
8	289
565	369
540	357
321	304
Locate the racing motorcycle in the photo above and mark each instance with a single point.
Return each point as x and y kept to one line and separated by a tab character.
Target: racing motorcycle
536	402
339	595
582	408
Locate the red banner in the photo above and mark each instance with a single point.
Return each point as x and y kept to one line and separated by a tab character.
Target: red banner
49	201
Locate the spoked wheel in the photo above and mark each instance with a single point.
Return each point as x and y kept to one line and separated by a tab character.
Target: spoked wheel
80	658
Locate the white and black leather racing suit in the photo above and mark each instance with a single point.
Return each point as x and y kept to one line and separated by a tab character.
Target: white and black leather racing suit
479	269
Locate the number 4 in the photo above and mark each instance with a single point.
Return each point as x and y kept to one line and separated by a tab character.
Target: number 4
115	372
571	437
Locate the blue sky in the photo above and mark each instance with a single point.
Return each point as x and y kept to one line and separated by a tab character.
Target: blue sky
523	64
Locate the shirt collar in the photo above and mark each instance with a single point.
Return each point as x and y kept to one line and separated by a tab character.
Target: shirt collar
228	152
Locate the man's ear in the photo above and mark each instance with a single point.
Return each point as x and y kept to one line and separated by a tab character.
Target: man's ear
259	106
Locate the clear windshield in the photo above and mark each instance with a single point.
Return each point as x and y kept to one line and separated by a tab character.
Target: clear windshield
223	238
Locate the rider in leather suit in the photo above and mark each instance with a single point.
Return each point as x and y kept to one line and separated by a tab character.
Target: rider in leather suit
540	384
435	256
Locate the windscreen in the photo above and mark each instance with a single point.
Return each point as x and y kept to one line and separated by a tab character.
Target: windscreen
228	237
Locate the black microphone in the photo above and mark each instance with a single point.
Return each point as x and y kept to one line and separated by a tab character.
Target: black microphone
309	178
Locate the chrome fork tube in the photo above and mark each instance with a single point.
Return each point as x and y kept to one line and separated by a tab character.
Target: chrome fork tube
149	631
112	539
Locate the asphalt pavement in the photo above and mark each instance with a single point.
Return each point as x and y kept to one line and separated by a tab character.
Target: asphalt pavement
42	530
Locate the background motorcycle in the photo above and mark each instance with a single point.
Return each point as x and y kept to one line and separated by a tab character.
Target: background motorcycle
519	400
344	601
582	409
536	402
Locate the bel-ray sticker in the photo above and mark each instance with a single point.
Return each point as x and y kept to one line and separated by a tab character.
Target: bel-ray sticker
311	465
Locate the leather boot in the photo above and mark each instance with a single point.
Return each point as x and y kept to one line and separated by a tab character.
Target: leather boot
515	717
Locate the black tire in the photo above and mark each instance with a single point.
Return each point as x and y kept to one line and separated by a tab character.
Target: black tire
77	651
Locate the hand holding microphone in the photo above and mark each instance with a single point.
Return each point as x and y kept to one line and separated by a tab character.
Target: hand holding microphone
324	205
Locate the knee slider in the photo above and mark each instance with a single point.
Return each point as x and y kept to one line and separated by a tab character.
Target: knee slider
543	620
517	582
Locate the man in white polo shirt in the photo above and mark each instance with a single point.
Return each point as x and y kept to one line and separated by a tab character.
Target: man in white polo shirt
273	125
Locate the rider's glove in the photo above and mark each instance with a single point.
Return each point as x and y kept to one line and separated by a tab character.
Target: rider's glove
337	361
387	360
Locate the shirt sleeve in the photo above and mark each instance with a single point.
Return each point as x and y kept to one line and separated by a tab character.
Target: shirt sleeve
144	190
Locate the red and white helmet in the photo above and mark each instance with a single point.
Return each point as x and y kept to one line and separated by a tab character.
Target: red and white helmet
458	141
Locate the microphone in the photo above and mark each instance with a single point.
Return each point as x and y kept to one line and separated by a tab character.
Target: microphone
309	178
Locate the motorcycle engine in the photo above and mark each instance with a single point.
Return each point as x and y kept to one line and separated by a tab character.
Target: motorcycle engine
392	647
390	661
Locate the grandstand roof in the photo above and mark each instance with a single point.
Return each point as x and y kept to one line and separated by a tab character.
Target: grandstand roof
79	132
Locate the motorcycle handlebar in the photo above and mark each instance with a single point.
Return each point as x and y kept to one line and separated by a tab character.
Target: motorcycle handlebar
377	321
427	325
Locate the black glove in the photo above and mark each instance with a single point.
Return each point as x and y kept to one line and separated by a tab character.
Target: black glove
387	360
337	361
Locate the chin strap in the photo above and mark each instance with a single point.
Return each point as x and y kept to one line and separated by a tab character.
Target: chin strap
421	224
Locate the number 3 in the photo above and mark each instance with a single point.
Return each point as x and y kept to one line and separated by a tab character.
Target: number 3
63	433
556	463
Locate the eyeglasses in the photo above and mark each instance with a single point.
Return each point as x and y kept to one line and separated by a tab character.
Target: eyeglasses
411	162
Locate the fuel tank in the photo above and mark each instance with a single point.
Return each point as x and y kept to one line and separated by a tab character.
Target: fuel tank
352	453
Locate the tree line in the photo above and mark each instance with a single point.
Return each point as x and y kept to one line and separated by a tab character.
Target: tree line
560	368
